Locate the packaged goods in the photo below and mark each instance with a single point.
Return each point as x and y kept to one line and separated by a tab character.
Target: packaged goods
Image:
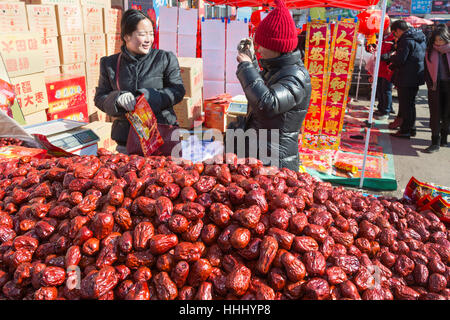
72	49
74	69
92	19
13	17
112	17
65	91
143	122
189	110
216	112
16	152
22	53
113	43
30	92
69	19
50	49
191	74
77	113
42	19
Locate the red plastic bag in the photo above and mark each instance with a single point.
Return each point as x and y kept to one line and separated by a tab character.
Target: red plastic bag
145	127
7	97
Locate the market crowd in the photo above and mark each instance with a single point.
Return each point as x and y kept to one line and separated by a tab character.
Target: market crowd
408	60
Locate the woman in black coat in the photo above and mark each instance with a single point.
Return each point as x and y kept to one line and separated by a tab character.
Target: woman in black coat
138	69
278	96
437	78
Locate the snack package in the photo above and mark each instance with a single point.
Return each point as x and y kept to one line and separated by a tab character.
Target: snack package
7	97
16	152
415	189
144	123
440	207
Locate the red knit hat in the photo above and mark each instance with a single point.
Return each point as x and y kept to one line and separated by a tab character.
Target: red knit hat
277	30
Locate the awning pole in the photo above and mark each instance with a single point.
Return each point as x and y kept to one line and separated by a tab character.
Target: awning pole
374	90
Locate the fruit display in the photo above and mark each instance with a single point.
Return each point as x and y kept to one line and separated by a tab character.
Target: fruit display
123	227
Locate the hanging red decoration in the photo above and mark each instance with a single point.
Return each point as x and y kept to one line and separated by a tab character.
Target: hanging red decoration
369	22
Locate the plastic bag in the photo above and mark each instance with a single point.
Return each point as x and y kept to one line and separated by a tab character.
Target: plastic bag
370	64
7	97
145	126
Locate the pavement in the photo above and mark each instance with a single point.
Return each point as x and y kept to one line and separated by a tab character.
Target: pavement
408	156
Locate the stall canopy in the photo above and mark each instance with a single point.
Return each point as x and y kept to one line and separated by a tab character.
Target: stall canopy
417	22
299	4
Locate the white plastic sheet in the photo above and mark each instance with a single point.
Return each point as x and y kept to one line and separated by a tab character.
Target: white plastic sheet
168	28
236	31
187	33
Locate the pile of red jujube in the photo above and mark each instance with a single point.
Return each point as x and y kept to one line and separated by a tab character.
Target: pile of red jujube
10	142
134	228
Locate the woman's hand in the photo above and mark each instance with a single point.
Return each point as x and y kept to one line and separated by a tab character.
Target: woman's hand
127	101
241	57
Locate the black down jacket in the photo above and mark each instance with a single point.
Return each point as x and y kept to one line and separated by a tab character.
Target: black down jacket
407	62
278	98
156	75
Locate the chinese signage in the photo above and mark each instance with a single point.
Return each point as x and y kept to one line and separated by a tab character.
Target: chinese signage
342	57
330	72
440	6
399	7
21	53
420	6
316	50
30	92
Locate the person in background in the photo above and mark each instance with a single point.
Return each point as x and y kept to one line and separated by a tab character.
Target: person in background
408	73
302	43
384	85
138	69
437	78
278	96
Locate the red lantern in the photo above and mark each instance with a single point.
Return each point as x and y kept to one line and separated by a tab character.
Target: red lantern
369	22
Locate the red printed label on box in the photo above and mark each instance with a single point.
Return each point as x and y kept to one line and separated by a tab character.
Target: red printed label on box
65	91
78	113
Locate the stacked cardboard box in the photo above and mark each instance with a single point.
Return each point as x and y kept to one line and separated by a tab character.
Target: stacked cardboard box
24	61
190	108
112	18
13	17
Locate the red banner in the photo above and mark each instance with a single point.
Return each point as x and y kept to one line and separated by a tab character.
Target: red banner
316	49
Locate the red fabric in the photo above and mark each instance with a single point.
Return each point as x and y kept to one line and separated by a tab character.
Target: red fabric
277	31
302	4
384	71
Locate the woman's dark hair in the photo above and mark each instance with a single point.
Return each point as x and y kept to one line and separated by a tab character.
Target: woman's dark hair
441	31
130	20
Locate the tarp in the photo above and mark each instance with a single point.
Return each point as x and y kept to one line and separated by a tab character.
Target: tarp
300	4
417	22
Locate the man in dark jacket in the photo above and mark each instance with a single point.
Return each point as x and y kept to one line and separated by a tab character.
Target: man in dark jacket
407	64
154	73
278	96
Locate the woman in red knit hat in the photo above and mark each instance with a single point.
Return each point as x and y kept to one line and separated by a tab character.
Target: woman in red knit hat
278	96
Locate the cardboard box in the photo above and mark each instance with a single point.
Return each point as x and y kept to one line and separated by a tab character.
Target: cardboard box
189	110
65	91
42	19
92	19
69	19
50	50
52	71
90	101
30	92
13	17
74	69
103	131
37	117
192	74
216	113
71	49
99	3
113	43
112	18
77	113
54	2
95	50
22	53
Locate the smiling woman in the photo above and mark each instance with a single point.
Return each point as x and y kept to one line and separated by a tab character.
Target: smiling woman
138	69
